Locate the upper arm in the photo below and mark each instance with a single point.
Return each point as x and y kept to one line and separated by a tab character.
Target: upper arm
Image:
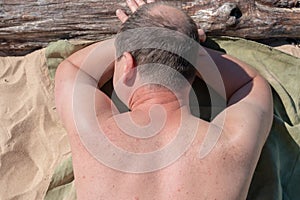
234	73
76	83
74	89
248	117
249	111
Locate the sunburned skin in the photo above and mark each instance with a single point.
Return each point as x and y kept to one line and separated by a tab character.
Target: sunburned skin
224	173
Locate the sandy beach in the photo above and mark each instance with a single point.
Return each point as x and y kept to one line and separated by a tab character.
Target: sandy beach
32	140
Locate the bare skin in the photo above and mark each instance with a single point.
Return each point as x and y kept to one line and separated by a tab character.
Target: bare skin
225	173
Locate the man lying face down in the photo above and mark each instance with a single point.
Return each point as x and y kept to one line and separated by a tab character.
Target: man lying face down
158	150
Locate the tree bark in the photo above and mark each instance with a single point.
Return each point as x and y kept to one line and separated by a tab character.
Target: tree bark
31	24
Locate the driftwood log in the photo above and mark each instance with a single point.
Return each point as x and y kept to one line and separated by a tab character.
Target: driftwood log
31	24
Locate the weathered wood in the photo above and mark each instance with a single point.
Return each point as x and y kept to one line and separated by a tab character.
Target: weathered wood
247	18
32	24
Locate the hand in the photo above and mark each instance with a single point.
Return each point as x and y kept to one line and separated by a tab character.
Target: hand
202	35
135	4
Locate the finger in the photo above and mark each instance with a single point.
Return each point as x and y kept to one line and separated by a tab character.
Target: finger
140	2
150	1
202	35
132	5
121	15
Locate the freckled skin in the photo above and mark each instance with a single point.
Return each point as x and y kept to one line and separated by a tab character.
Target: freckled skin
225	173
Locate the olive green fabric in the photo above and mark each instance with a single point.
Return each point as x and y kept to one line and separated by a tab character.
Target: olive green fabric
62	183
56	52
277	175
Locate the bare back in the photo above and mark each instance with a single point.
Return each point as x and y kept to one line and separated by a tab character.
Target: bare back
224	174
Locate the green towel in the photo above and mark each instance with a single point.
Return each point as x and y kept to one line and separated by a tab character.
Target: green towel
277	175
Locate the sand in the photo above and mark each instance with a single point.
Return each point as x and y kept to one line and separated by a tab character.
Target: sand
32	140
290	49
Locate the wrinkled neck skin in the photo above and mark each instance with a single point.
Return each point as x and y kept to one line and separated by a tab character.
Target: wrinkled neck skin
143	96
154	104
147	96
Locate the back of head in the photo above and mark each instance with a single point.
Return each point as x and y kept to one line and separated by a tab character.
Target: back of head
163	42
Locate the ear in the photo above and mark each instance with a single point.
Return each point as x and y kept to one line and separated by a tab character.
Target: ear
129	69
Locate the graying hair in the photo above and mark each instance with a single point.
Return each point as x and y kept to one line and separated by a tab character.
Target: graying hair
168	47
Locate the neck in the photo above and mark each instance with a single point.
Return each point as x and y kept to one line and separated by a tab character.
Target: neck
146	97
